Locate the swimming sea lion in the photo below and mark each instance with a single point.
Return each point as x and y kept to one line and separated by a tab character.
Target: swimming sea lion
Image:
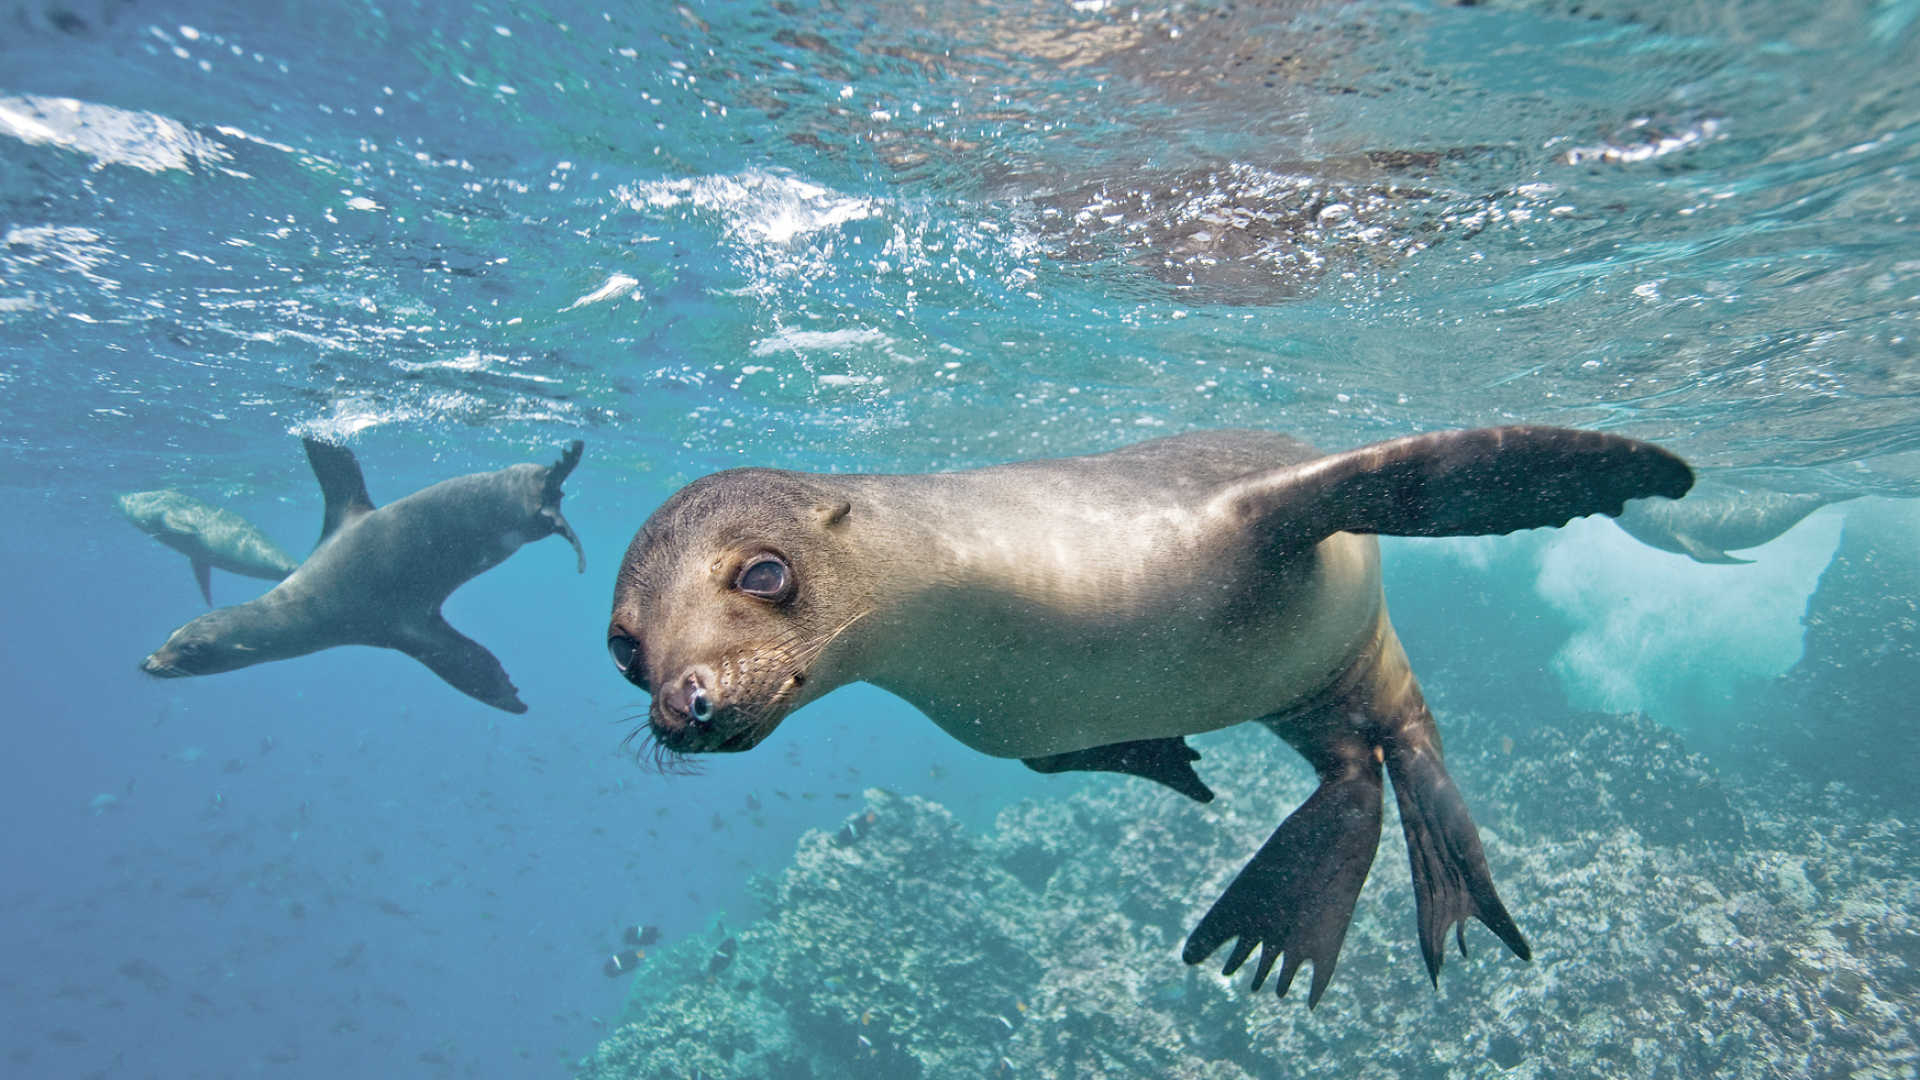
206	535
378	577
1706	525
1060	608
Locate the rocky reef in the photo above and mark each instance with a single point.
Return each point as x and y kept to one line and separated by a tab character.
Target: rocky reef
1845	713
1682	924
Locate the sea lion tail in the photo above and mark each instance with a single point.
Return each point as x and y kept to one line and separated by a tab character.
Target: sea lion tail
1295	896
1450	877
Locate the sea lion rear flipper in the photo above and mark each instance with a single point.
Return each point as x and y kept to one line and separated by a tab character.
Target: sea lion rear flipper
1296	895
464	663
1450	876
1457	483
203	573
1163	761
557	474
341	484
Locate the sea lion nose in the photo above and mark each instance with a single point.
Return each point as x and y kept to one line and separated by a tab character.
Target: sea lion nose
690	697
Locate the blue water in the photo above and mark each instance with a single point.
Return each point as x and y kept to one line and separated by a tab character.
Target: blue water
825	236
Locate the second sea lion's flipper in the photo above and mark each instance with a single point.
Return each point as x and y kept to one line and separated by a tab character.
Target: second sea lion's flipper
203	573
1456	483
1295	896
464	663
557	474
1451	881
1702	552
342	486
1163	761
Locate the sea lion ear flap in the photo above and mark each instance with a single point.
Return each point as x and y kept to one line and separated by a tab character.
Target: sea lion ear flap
1482	482
342	486
832	512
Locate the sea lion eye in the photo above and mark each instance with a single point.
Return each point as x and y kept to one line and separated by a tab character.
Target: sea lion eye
766	577
625	651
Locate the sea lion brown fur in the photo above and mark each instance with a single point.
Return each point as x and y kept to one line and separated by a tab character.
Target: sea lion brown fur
379	576
1089	612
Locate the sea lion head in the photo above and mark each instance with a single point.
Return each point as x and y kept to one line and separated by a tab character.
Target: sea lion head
213	643
727	602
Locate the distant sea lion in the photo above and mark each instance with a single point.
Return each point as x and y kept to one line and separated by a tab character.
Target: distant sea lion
378	577
1706	525
207	535
1089	612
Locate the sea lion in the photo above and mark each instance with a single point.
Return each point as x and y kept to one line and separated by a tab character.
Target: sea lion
1706	525
1055	608
378	577
207	535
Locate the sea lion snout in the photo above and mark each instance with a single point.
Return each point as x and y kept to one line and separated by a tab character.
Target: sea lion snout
688	700
156	666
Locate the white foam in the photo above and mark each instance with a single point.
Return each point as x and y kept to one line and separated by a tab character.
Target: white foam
1662	634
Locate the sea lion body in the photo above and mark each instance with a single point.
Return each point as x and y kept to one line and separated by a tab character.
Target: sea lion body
1176	626
1708	524
208	536
379	576
1087	613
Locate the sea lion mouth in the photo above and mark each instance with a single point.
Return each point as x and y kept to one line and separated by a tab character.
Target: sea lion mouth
159	670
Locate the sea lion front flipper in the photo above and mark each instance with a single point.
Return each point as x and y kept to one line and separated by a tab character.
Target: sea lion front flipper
464	663
342	486
1296	895
1702	552
1163	761
1456	483
1450	877
203	573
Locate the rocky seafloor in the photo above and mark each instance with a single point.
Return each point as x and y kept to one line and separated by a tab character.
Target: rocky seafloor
1681	926
1763	922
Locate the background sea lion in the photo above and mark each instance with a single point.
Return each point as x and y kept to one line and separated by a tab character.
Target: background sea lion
1709	523
206	535
378	577
1090	612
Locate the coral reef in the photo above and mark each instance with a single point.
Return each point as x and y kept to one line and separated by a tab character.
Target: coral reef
1681	926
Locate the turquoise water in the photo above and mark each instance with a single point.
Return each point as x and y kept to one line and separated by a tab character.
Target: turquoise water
851	237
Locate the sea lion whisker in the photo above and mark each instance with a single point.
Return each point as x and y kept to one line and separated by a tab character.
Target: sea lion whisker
813	651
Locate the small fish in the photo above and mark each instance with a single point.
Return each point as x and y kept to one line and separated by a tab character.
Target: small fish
753	804
621	963
642	935
722	956
854	828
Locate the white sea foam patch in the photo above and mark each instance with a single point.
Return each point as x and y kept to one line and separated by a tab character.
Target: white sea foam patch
858	338
615	287
1662	634
353	413
111	136
760	207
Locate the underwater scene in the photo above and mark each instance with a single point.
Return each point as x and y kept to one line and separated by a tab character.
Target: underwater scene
824	539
